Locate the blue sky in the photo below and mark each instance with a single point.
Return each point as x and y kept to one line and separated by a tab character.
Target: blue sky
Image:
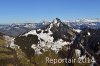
21	11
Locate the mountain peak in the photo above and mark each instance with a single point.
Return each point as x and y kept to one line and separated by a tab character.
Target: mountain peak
56	20
57	23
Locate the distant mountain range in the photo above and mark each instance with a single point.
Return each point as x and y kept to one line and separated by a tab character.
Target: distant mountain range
18	29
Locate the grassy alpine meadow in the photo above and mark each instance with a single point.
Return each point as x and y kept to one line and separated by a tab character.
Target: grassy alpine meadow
2	41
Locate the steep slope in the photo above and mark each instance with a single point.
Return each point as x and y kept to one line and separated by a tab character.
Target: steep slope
54	36
61	31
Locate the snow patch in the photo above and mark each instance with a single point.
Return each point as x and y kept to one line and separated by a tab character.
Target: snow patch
58	24
55	21
89	33
10	42
31	32
77	30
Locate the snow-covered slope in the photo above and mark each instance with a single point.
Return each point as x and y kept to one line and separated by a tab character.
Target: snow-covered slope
54	36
